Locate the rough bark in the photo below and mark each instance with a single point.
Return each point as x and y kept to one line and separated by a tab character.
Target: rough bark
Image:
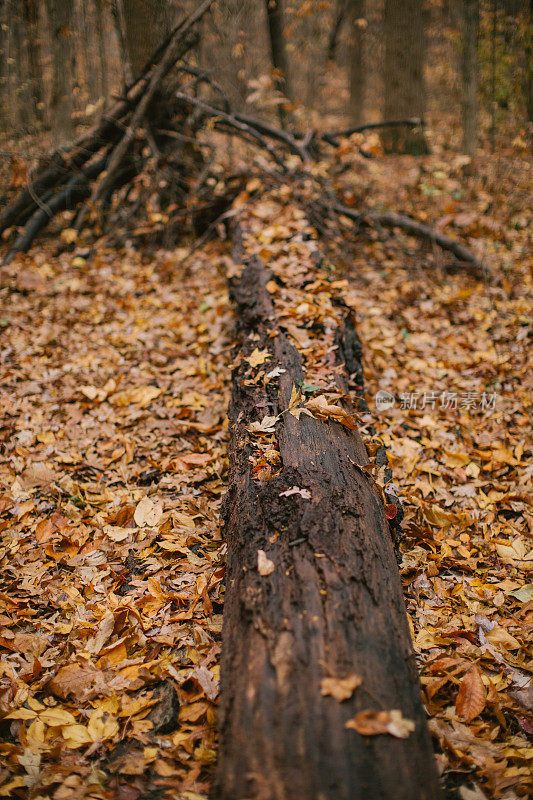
357	69
60	14
403	73
333	604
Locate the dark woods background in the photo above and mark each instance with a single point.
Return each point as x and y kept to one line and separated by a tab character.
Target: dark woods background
465	66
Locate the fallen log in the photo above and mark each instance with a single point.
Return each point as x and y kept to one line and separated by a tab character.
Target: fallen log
312	593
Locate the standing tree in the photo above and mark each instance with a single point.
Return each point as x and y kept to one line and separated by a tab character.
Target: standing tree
146	24
403	73
60	15
469	74
100	36
278	50
528	83
357	70
30	11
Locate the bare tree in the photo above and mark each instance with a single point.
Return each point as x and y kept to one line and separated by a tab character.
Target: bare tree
357	70
403	73
60	17
469	73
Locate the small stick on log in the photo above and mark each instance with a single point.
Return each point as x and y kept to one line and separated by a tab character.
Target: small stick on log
329	605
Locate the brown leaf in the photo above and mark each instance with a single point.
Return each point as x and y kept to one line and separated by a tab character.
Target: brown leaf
372	723
472	695
340	688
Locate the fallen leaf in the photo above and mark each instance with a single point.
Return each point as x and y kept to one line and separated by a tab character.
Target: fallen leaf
320	407
372	723
472	695
340	688
257	357
264	565
148	513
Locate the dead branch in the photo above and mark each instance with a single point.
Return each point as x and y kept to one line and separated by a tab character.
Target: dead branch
332	138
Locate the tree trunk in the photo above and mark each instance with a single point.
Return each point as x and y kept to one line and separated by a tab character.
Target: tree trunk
469	74
341	8
33	47
60	14
403	73
4	83
147	23
330	606
528	82
357	69
278	51
101	40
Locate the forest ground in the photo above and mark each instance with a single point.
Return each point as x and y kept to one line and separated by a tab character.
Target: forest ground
115	375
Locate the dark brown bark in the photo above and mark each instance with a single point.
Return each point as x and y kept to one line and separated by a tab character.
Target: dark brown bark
403	73
357	70
33	46
469	74
333	604
278	50
60	13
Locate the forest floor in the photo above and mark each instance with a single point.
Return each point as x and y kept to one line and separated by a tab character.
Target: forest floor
115	375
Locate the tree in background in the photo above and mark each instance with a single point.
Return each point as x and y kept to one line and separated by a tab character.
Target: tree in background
403	73
30	11
146	24
278	50
60	18
357	68
469	74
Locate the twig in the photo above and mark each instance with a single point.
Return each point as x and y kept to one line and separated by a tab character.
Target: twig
333	137
389	219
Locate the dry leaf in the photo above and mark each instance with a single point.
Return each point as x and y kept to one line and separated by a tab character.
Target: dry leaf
264	565
148	513
305	493
472	695
257	357
340	688
320	407
372	723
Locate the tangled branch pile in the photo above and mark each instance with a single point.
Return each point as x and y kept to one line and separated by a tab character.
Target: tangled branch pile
150	137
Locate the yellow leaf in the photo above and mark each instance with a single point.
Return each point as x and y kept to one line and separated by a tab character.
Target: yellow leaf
101	726
257	357
54	717
76	736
